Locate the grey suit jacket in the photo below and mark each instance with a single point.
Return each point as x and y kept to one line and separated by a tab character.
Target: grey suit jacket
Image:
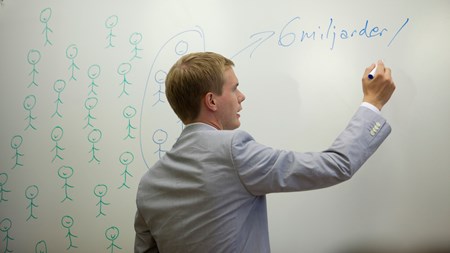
207	194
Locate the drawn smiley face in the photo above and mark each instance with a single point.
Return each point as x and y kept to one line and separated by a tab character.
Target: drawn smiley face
16	141
72	51
112	233
94	71
129	112
65	172
67	221
31	192
29	102
94	136
57	133
34	56
126	158
100	190
5	224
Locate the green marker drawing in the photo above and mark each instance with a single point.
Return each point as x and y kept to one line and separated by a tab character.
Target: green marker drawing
71	54
28	104
126	158
5	226
3	181
112	233
31	193
34	56
67	222
45	16
56	135
100	191
129	112
123	70
93	73
58	87
90	103
94	136
66	172
16	142
110	23
135	39
41	247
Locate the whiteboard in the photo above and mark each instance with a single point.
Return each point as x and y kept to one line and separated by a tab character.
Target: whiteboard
83	113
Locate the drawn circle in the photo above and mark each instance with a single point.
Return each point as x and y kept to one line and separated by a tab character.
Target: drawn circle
16	141
5	224
94	136
111	21
65	172
160	76
46	14
135	38
100	190
41	247
67	221
181	48
31	192
129	112
34	56
124	68
112	233
59	85
3	178
57	133
90	103
126	158
160	136
94	71
29	102
72	51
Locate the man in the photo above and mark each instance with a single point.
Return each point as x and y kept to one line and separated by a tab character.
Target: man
207	194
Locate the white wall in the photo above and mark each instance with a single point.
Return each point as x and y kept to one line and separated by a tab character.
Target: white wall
300	94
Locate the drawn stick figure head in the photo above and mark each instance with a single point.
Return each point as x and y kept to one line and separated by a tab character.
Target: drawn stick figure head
31	192
34	56
126	158
65	172
67	221
112	233
5	225
16	141
100	190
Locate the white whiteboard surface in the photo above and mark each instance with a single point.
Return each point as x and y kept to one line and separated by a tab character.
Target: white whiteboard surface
83	113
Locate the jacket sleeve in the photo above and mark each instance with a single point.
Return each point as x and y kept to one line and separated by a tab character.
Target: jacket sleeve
144	241
263	169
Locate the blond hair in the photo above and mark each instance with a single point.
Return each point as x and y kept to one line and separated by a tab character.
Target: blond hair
192	77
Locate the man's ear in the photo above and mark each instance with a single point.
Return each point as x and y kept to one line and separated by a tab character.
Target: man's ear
210	101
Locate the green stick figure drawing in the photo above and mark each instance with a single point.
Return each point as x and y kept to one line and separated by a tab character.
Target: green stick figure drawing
100	191
112	233
3	181
5	226
94	136
71	54
41	247
28	104
16	142
93	73
66	172
31	193
90	103
135	39
110	23
34	56
56	135
58	87
129	112
126	158
45	16
67	222
123	70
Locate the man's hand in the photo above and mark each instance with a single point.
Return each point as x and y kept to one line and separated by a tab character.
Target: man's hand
378	91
